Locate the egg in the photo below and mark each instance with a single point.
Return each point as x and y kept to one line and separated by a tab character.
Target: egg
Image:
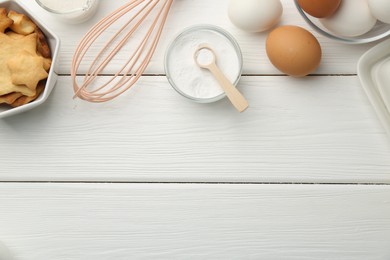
352	18
255	15
293	50
380	9
319	8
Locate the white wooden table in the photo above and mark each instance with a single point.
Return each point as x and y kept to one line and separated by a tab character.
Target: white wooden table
304	173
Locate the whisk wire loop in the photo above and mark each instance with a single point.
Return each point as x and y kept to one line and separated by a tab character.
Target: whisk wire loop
133	68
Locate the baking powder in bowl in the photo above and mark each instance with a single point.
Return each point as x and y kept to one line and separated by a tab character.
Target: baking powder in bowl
73	11
186	76
65	5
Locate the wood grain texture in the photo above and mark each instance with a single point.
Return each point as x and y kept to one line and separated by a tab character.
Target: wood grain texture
338	58
168	221
320	129
317	129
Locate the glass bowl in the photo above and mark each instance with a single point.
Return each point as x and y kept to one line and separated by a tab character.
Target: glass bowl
70	11
171	64
380	30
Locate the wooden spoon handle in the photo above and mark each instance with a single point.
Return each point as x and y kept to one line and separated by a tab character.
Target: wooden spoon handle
237	99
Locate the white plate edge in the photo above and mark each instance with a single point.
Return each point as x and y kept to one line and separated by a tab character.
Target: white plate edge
364	69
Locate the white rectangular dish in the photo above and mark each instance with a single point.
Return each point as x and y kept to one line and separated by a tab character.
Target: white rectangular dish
373	71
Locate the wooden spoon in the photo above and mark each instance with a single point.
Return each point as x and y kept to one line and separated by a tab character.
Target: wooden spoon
205	58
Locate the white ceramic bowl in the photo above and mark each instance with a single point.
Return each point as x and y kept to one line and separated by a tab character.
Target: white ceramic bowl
54	43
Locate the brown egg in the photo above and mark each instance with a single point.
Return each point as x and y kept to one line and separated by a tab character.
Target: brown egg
319	8
293	50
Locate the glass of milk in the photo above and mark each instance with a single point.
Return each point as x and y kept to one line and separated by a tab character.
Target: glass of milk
71	11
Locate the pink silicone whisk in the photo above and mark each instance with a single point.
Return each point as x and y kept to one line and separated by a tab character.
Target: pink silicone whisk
129	48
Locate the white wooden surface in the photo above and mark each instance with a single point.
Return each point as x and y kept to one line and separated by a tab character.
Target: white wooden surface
152	221
149	144
306	130
317	129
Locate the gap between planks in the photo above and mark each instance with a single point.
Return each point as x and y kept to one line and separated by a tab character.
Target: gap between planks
205	183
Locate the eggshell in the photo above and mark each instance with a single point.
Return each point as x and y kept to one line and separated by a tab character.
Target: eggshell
319	8
255	15
293	50
380	9
352	18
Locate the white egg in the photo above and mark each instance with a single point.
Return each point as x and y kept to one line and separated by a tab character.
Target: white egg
353	18
380	9
255	15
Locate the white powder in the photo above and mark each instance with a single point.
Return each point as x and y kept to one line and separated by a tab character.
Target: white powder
192	80
72	11
204	57
65	5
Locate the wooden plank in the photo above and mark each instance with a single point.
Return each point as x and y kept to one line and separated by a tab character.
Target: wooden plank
337	58
317	129
173	221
